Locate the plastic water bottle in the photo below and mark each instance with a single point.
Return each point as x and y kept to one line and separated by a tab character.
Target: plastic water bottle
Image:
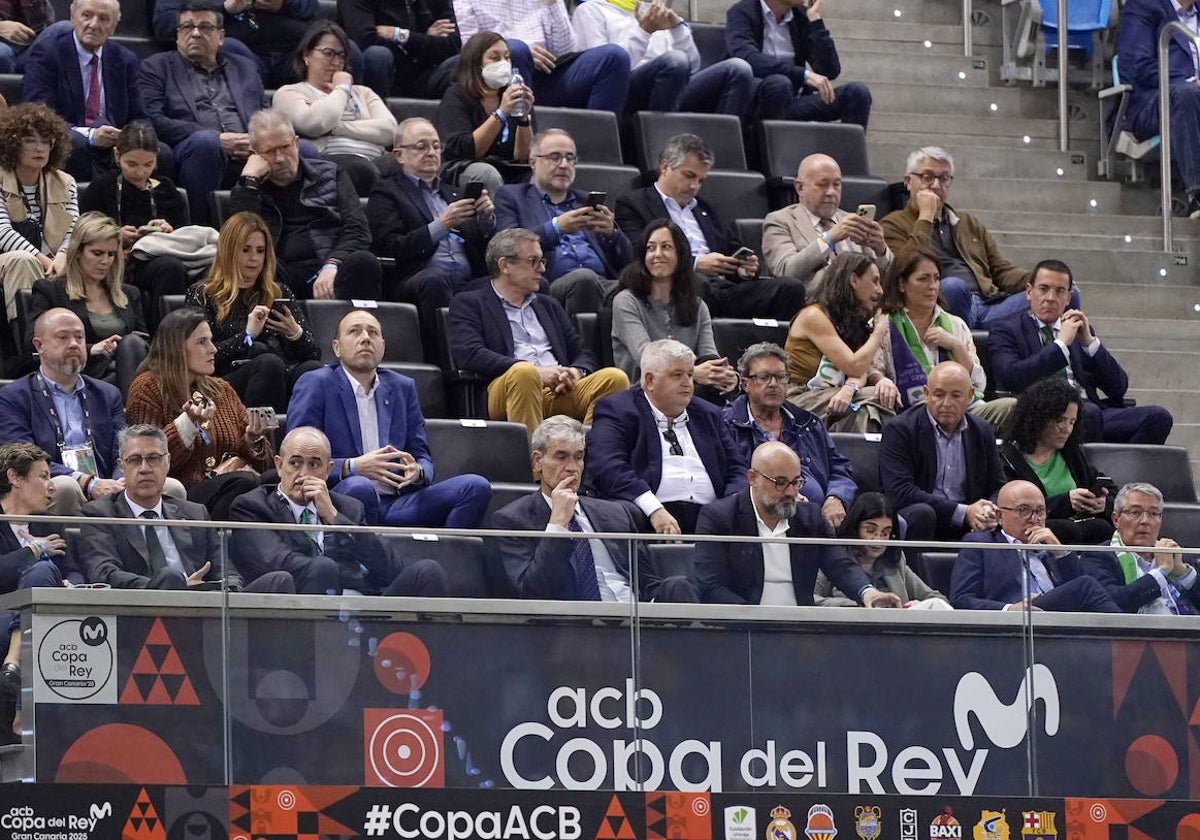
520	109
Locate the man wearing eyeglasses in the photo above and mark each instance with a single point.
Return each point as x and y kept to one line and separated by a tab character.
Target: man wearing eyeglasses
149	555
979	284
584	250
1141	572
200	99
1042	577
774	574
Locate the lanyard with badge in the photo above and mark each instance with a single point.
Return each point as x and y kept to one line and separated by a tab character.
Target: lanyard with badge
120	210
80	458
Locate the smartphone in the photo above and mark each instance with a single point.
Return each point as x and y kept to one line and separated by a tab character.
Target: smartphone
280	303
473	190
742	254
144	229
1101	484
267	413
867	211
596	199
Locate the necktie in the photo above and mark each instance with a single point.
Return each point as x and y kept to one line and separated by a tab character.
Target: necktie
312	549
1038	570
584	564
154	549
1048	339
92	105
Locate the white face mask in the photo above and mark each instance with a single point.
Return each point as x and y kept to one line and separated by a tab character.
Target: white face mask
497	74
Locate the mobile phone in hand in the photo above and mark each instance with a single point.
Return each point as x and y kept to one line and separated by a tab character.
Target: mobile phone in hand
473	190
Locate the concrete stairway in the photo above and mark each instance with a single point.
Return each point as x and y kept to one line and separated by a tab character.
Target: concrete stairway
1037	202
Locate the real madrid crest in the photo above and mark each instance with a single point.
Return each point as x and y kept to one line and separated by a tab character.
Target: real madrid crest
868	821
780	827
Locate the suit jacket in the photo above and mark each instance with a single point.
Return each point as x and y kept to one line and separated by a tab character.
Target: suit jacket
732	573
15	559
25	416
540	568
637	209
52	76
118	555
165	85
522	205
324	398
1130	597
811	42
481	336
985	579
1137	55
400	218
1019	359
908	462
624	448
792	245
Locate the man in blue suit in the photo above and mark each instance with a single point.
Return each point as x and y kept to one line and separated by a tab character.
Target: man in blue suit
661	448
376	433
88	80
1137	56
584	249
200	99
1051	341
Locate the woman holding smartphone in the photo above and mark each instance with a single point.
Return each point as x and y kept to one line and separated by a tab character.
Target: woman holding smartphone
263	340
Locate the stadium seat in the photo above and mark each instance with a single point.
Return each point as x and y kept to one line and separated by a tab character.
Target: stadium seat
710	42
750	235
403	108
497	450
1166	467
597	138
140	45
1029	33
24	305
431	389
722	132
401	328
168	304
736	194
505	493
218	206
933	567
1181	522
462	558
1120	152
467	390
863	452
10	87
604	177
588	324
734	335
783	144
669	559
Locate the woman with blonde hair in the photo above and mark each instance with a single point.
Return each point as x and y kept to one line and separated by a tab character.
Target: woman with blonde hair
263	341
91	287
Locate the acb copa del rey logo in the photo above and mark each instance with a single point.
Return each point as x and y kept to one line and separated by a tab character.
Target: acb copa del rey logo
873	766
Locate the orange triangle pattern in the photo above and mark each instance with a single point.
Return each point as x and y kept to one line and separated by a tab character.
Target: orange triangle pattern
615	825
287	811
158	659
143	822
1125	658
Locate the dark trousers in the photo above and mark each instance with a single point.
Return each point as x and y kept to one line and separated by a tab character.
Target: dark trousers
1082	594
685	513
155	278
358	277
1185	130
596	79
762	297
1136	424
775	98
267	379
457	502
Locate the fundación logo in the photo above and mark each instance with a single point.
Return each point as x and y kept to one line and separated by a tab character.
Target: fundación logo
740	823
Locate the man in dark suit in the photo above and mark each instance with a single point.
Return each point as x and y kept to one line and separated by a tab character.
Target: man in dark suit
756	572
1147	576
155	556
523	342
790	90
321	563
939	462
376	432
1137	55
584	250
90	81
436	236
1041	579
732	286
409	49
661	448
577	570
1051	341
200	99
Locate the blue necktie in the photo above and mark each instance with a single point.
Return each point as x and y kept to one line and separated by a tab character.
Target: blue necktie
584	564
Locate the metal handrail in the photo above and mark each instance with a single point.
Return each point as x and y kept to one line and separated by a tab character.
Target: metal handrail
1063	136
1164	119
968	43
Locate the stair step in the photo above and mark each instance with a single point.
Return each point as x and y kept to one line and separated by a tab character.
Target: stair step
925	67
1186	435
847	29
911	11
1094	223
985	160
916	139
1154	298
1054	239
1115	267
1185	404
1062	196
1138	333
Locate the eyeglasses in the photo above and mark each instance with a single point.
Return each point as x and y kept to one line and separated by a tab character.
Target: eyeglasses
205	28
767	378
780	482
331	54
927	178
534	262
154	459
558	158
1027	512
422	147
672	438
1138	514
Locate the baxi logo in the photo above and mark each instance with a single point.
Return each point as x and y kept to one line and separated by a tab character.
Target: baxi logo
1004	724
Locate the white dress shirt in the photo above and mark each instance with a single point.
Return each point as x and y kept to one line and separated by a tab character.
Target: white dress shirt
778	590
170	552
683	477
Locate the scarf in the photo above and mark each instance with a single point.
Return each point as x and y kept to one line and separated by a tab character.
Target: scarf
909	360
625	5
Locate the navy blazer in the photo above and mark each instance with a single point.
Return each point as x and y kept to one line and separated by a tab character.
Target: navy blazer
732	573
540	568
521	205
16	559
1104	567
637	209
1137	56
323	398
811	42
482	341
908	463
984	579
165	85
1019	359
624	448
25	416
52	76
400	220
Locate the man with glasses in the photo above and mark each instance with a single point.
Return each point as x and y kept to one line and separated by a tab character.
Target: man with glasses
979	284
1042	577
150	556
660	447
322	241
1142	573
584	250
763	414
436	236
522	341
1052	340
774	573
200	99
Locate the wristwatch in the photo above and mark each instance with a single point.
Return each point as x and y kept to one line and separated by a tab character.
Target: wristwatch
250	182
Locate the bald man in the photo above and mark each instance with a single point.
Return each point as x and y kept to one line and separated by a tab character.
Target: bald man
800	240
939	463
775	574
1041	577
